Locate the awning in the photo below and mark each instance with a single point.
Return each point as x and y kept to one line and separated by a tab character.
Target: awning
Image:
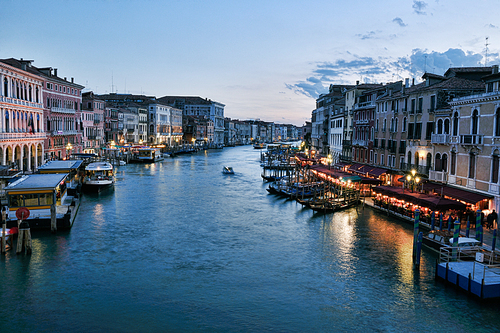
376	172
355	167
434	202
342	164
456	193
335	173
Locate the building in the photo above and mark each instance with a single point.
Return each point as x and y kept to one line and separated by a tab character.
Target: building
92	118
22	132
197	106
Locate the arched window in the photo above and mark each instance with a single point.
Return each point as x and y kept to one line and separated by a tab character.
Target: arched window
409	158
30	96
437	162
475	122
404	124
36	96
494	167
428	161
385	125
444	163
396	125
472	165
5	87
7	122
447	126
497	122
440	126
455	124
453	162
416	159
376	126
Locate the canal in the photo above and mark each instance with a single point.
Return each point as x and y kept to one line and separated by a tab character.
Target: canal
177	246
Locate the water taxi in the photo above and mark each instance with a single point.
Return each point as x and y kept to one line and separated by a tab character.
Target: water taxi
227	170
98	175
147	155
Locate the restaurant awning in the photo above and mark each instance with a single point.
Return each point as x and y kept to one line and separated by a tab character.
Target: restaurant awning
335	173
434	202
456	193
355	167
376	172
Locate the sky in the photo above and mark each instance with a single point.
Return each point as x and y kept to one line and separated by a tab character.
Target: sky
263	59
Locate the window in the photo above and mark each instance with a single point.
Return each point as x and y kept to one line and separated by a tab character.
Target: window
446	126
429	130
494	168
475	122
433	103
404	124
437	162
412	110
472	165
497	122
440	126
420	104
455	124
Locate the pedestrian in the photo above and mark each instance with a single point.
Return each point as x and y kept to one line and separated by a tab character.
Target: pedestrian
489	221
494	218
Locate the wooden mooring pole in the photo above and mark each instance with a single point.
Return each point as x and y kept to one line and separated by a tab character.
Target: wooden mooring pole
24	239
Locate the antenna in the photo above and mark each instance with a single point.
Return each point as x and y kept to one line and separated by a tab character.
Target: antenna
425	64
112	86
486	51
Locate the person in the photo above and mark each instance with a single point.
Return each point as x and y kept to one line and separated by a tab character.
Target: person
494	218
489	221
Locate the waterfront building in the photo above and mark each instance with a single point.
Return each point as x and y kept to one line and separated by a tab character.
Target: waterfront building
473	142
111	130
130	127
351	94
22	131
336	129
197	106
229	132
243	132
92	118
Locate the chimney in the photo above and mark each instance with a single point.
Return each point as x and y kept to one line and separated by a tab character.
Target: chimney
357	82
65	78
494	69
72	80
55	71
413	82
407	82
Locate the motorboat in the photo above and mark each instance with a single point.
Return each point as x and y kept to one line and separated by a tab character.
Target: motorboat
147	155
98	175
437	239
227	170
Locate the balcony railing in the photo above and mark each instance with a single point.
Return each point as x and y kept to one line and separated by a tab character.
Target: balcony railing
421	169
471	139
358	142
442	139
439	176
64	132
15	136
20	102
62	110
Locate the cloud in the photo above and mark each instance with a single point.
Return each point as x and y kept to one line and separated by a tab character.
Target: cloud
377	70
399	21
419	7
368	35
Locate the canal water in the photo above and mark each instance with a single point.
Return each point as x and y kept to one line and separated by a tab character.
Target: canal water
177	246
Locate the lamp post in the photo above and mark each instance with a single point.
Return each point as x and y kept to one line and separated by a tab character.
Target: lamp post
69	147
413	179
329	161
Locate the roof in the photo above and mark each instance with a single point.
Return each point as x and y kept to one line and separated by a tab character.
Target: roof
37	182
60	165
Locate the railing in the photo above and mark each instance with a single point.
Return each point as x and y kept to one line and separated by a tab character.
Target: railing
11	136
443	139
20	102
64	132
421	169
62	110
471	139
439	176
362	121
358	142
364	104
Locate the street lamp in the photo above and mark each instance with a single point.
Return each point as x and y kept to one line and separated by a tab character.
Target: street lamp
413	179
69	147
329	161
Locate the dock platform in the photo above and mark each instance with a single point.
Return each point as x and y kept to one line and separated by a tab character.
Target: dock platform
476	278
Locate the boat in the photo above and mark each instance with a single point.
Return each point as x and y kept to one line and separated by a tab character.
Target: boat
436	239
227	170
259	145
147	155
98	175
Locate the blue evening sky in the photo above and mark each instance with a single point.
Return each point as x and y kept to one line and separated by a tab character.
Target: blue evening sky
262	59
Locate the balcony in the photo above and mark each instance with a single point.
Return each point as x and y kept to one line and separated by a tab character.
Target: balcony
362	121
20	102
421	169
358	142
440	139
368	104
16	136
438	176
471	139
64	132
62	110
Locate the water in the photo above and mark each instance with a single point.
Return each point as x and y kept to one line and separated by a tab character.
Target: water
179	247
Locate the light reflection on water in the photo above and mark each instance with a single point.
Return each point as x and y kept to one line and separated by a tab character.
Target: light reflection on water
177	246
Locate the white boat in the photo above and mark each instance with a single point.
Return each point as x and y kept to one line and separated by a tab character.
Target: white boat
148	155
98	175
227	170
